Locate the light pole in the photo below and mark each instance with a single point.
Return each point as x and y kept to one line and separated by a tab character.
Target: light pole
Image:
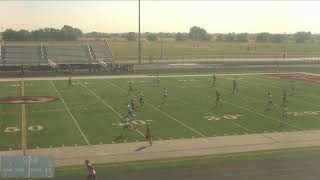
284	45
161	46
139	43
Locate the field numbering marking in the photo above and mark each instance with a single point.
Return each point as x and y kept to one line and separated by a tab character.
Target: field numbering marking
74	120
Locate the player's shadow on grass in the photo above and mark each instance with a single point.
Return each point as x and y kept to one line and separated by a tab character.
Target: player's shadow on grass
141	148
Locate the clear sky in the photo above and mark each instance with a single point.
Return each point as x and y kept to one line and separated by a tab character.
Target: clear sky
164	16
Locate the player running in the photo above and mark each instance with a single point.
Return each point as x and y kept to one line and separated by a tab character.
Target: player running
214	80
165	95
91	170
141	99
130	112
126	123
133	104
270	103
218	100
130	84
148	134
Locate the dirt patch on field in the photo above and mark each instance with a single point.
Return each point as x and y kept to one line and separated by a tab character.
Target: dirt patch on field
298	76
26	99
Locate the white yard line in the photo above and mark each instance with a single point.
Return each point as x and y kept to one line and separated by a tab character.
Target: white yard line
74	120
139	76
108	105
168	115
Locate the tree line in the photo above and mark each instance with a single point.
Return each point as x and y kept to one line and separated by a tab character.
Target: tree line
195	34
66	33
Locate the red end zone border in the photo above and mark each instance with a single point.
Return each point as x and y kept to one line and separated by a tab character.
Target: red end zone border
315	78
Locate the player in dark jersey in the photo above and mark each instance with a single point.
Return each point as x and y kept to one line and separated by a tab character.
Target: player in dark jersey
130	83
69	81
91	170
235	88
148	134
218	100
284	98
214	80
292	88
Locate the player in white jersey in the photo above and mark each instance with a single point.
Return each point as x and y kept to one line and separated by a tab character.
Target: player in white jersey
270	103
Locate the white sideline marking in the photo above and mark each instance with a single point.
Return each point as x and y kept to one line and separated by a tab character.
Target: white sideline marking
183	124
252	131
142	76
109	106
74	120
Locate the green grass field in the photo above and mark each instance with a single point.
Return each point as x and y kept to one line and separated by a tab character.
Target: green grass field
91	110
173	50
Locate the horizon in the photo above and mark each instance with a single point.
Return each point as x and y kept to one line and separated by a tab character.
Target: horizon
122	17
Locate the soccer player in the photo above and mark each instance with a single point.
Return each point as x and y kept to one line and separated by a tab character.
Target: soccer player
214	80
126	123
218	101
292	88
91	170
148	134
158	81
130	83
141	99
133	104
284	115
234	86
270	103
284	98
130	112
69	81
165	95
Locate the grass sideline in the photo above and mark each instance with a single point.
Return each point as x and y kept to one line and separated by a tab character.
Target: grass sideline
107	171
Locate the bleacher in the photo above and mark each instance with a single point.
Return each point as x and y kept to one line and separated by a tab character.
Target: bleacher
21	54
101	52
59	57
67	54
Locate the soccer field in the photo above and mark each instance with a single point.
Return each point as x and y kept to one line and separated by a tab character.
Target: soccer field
91	111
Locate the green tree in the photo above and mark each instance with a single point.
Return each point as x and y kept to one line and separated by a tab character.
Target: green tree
277	38
263	37
196	33
302	37
131	36
152	37
230	37
181	36
241	37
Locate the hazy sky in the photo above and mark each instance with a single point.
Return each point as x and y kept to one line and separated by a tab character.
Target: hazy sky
164	16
